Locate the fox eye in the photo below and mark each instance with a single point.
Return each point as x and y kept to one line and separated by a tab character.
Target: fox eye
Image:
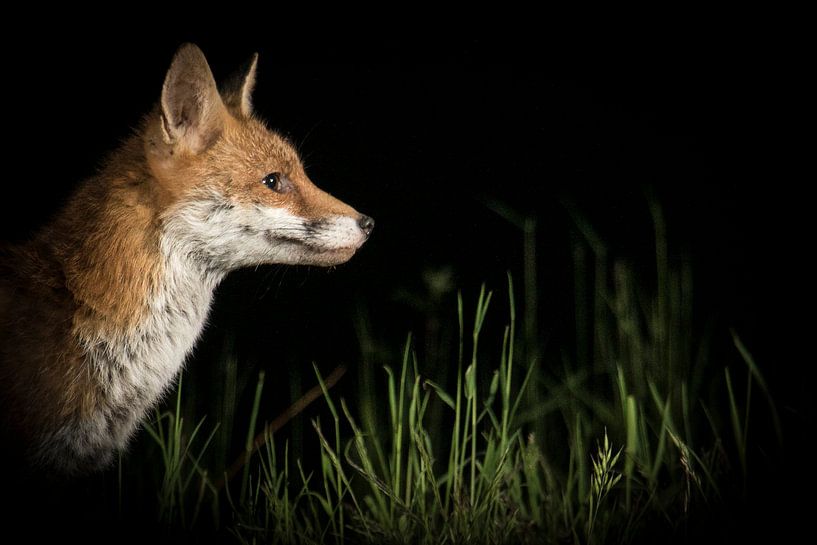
274	181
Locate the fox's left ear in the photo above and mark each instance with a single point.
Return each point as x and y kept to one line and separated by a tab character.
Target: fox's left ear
237	91
191	107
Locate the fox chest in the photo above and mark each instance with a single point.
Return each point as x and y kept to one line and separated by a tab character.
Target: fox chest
134	370
138	368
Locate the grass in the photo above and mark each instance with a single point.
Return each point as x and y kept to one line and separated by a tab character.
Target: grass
183	475
610	440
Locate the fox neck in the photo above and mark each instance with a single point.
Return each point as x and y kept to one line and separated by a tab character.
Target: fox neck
173	315
143	290
134	349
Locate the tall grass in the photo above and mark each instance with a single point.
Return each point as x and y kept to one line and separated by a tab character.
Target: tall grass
634	440
183	477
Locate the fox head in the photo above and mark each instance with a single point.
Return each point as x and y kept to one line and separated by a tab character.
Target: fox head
235	193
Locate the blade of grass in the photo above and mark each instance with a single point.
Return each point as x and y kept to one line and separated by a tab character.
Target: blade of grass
248	444
761	382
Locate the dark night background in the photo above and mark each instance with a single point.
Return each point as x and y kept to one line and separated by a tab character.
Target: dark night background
709	130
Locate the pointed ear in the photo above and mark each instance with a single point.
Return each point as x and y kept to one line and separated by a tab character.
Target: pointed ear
238	89
192	110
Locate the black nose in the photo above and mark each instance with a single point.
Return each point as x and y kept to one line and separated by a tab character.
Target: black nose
366	224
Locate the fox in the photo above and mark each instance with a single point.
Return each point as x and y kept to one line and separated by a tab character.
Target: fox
101	307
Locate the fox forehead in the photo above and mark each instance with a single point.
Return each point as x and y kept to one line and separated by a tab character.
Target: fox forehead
248	149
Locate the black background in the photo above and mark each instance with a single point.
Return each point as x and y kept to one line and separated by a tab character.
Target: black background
421	139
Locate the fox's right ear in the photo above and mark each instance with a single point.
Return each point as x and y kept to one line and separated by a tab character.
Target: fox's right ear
238	89
191	107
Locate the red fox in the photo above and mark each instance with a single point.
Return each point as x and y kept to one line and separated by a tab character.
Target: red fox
100	309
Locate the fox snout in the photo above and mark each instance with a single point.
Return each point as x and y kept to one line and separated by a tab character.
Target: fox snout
333	250
328	241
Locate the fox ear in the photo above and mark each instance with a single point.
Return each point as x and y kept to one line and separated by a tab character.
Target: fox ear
191	106
238	89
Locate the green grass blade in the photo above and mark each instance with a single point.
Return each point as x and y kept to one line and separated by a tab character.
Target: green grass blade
248	442
761	382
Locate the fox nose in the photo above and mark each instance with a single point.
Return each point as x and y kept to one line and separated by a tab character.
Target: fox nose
366	224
